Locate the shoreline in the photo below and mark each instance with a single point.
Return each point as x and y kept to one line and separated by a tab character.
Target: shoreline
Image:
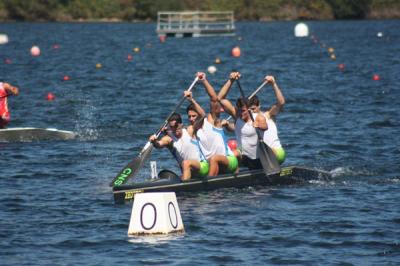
115	20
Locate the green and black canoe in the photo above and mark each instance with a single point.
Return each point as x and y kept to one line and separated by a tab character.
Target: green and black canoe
170	182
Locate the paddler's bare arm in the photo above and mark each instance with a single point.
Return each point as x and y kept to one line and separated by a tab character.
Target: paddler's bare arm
280	99
197	106
13	90
228	106
228	84
260	122
228	125
163	142
209	89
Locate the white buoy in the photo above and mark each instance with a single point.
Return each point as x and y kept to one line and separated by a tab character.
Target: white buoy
155	213
301	30
3	38
35	51
212	69
379	34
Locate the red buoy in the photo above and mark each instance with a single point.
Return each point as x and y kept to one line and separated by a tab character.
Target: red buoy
341	67
129	57
376	77
162	38
232	144
50	96
66	78
7	61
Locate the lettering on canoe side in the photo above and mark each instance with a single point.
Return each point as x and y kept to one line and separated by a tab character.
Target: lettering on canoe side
286	171
121	178
131	194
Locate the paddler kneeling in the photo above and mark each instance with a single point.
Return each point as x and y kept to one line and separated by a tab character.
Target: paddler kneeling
271	135
6	90
184	147
245	129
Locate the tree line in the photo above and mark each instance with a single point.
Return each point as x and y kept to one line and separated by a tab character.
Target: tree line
146	10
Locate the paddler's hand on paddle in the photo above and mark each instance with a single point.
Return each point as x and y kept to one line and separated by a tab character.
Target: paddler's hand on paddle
188	95
270	80
201	75
153	138
228	125
234	76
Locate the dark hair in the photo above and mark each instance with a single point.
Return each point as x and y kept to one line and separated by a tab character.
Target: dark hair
254	101
175	117
240	102
191	107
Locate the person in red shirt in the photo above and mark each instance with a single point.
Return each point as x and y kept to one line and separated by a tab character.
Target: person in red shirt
5	90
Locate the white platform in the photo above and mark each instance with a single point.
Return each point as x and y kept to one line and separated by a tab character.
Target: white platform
154	214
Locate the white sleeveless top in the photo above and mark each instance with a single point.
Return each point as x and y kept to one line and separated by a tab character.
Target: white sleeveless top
247	139
271	135
212	140
185	148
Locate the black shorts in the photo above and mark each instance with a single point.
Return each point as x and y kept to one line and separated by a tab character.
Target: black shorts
250	163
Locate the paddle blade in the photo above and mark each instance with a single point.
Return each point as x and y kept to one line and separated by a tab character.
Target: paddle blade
268	160
132	168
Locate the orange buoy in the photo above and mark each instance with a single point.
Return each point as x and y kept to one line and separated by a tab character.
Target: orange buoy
217	60
50	96
376	77
236	51
333	56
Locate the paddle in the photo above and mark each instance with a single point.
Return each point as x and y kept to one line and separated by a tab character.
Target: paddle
133	167
267	156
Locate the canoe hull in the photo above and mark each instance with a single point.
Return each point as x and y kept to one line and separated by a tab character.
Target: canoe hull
288	175
28	134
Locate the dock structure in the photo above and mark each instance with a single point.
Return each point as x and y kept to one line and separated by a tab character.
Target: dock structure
195	24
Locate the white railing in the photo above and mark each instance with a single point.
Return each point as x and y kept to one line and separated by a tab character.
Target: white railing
195	20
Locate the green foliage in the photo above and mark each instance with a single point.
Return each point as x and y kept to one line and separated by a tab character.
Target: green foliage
44	10
128	10
350	9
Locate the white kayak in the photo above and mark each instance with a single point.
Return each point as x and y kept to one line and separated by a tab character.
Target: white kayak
27	134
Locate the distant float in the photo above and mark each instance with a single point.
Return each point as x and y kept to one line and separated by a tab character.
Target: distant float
28	134
195	24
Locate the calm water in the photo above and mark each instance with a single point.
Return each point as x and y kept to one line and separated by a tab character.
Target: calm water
56	207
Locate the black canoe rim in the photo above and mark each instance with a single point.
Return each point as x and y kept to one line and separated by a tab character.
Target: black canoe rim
244	178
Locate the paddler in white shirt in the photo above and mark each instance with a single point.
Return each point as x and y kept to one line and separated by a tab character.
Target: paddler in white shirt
184	147
271	135
245	128
211	136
